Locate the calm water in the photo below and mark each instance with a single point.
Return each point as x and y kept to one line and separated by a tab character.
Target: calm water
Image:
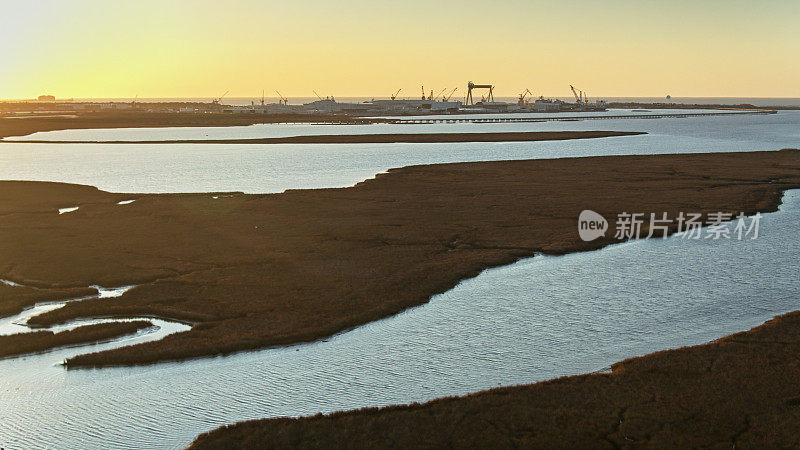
274	168
537	319
283	130
540	318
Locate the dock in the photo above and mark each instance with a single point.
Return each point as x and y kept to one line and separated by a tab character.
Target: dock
568	118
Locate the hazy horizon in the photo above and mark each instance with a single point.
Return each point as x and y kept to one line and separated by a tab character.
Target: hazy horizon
359	48
246	100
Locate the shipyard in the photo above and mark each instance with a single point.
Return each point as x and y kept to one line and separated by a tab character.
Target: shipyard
478	104
476	99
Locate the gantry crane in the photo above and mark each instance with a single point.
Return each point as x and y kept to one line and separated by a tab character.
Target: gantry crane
471	86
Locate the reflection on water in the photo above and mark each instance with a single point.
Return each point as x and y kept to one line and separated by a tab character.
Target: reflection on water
256	168
537	319
298	129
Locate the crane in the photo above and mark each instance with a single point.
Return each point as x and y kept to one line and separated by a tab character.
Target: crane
522	96
283	100
395	94
470	86
575	93
439	94
423	92
580	97
218	100
315	93
446	98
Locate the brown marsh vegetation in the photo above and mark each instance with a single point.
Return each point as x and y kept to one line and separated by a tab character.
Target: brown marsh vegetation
252	271
14	299
39	341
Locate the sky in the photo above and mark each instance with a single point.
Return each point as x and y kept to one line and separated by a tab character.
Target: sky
203	48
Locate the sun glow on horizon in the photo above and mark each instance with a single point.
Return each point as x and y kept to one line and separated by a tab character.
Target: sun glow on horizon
92	48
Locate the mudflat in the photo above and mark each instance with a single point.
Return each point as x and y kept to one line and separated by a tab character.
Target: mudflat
251	271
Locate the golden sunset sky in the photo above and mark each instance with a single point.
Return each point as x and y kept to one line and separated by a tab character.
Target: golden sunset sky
202	48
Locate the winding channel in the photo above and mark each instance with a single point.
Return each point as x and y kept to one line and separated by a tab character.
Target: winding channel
537	319
18	323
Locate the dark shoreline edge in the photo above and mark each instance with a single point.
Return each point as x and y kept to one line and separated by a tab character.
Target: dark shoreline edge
374	138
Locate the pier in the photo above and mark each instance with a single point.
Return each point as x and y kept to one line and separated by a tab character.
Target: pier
568	118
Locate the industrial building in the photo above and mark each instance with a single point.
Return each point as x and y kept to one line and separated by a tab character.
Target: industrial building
479	98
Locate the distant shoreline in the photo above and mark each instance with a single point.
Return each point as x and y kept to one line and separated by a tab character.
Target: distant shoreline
376	138
23	126
675	102
14	124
